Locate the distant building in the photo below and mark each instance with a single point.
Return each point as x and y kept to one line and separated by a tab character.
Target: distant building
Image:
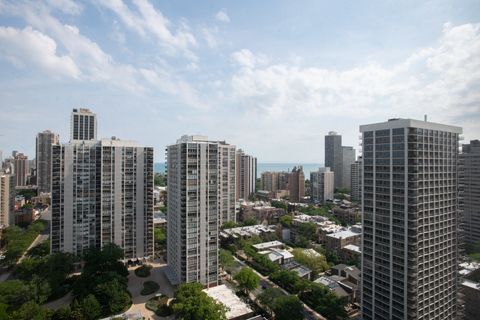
410	220
102	192
43	158
321	185
338	240
274	180
356	179
83	125
7	199
348	158
333	156
470	181
21	168
200	197
246	175
296	184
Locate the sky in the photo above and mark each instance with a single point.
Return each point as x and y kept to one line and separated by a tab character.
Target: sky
272	77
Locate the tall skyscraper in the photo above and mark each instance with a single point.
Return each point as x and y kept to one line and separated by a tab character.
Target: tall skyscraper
321	185
470	181
43	157
246	175
333	156
7	200
356	179
348	158
83	125
21	168
197	198
410	220
296	184
102	192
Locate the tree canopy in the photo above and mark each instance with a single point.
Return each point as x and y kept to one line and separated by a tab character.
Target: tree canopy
288	307
316	263
247	279
191	303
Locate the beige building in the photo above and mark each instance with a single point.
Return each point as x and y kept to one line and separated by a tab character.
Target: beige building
43	159
275	180
7	200
246	175
296	184
321	185
21	168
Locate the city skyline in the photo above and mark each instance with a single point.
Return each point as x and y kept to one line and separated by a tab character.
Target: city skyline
216	68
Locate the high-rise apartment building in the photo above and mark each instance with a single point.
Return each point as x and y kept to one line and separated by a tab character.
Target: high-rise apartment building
43	158
83	125
197	198
321	185
274	180
333	156
21	168
470	182
7	200
356	179
348	158
410	220
102	192
246	175
296	184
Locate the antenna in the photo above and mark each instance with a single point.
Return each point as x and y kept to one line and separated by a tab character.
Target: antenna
425	118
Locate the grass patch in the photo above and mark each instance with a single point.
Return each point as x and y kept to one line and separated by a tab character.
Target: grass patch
149	287
18	240
143	271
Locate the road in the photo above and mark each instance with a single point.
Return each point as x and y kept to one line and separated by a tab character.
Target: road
266	283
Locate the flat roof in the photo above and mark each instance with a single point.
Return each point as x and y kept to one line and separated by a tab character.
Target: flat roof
353	247
410	123
471	284
267	245
343	234
225	295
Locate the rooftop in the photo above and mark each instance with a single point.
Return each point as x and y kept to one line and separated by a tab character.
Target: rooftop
268	245
343	234
225	295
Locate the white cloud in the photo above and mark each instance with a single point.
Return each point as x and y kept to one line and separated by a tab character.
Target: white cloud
443	80
210	36
148	21
66	6
31	48
245	58
222	16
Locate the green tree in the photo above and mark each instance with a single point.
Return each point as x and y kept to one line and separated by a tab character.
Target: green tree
226	258
286	221
268	296
229	224
40	289
91	308
325	302
31	311
191	303
290	281
288	308
315	262
250	222
14	293
63	313
113	296
247	279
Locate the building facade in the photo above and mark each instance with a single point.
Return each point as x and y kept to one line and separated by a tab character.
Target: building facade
246	175
333	156
356	179
410	219
321	185
197	198
83	125
348	158
102	192
470	182
43	159
296	184
7	200
274	180
21	168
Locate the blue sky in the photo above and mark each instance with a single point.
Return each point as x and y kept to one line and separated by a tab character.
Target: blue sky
272	77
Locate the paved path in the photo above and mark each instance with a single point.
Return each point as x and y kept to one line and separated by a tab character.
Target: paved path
135	285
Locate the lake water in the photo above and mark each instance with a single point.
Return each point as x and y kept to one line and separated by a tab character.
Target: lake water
262	167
